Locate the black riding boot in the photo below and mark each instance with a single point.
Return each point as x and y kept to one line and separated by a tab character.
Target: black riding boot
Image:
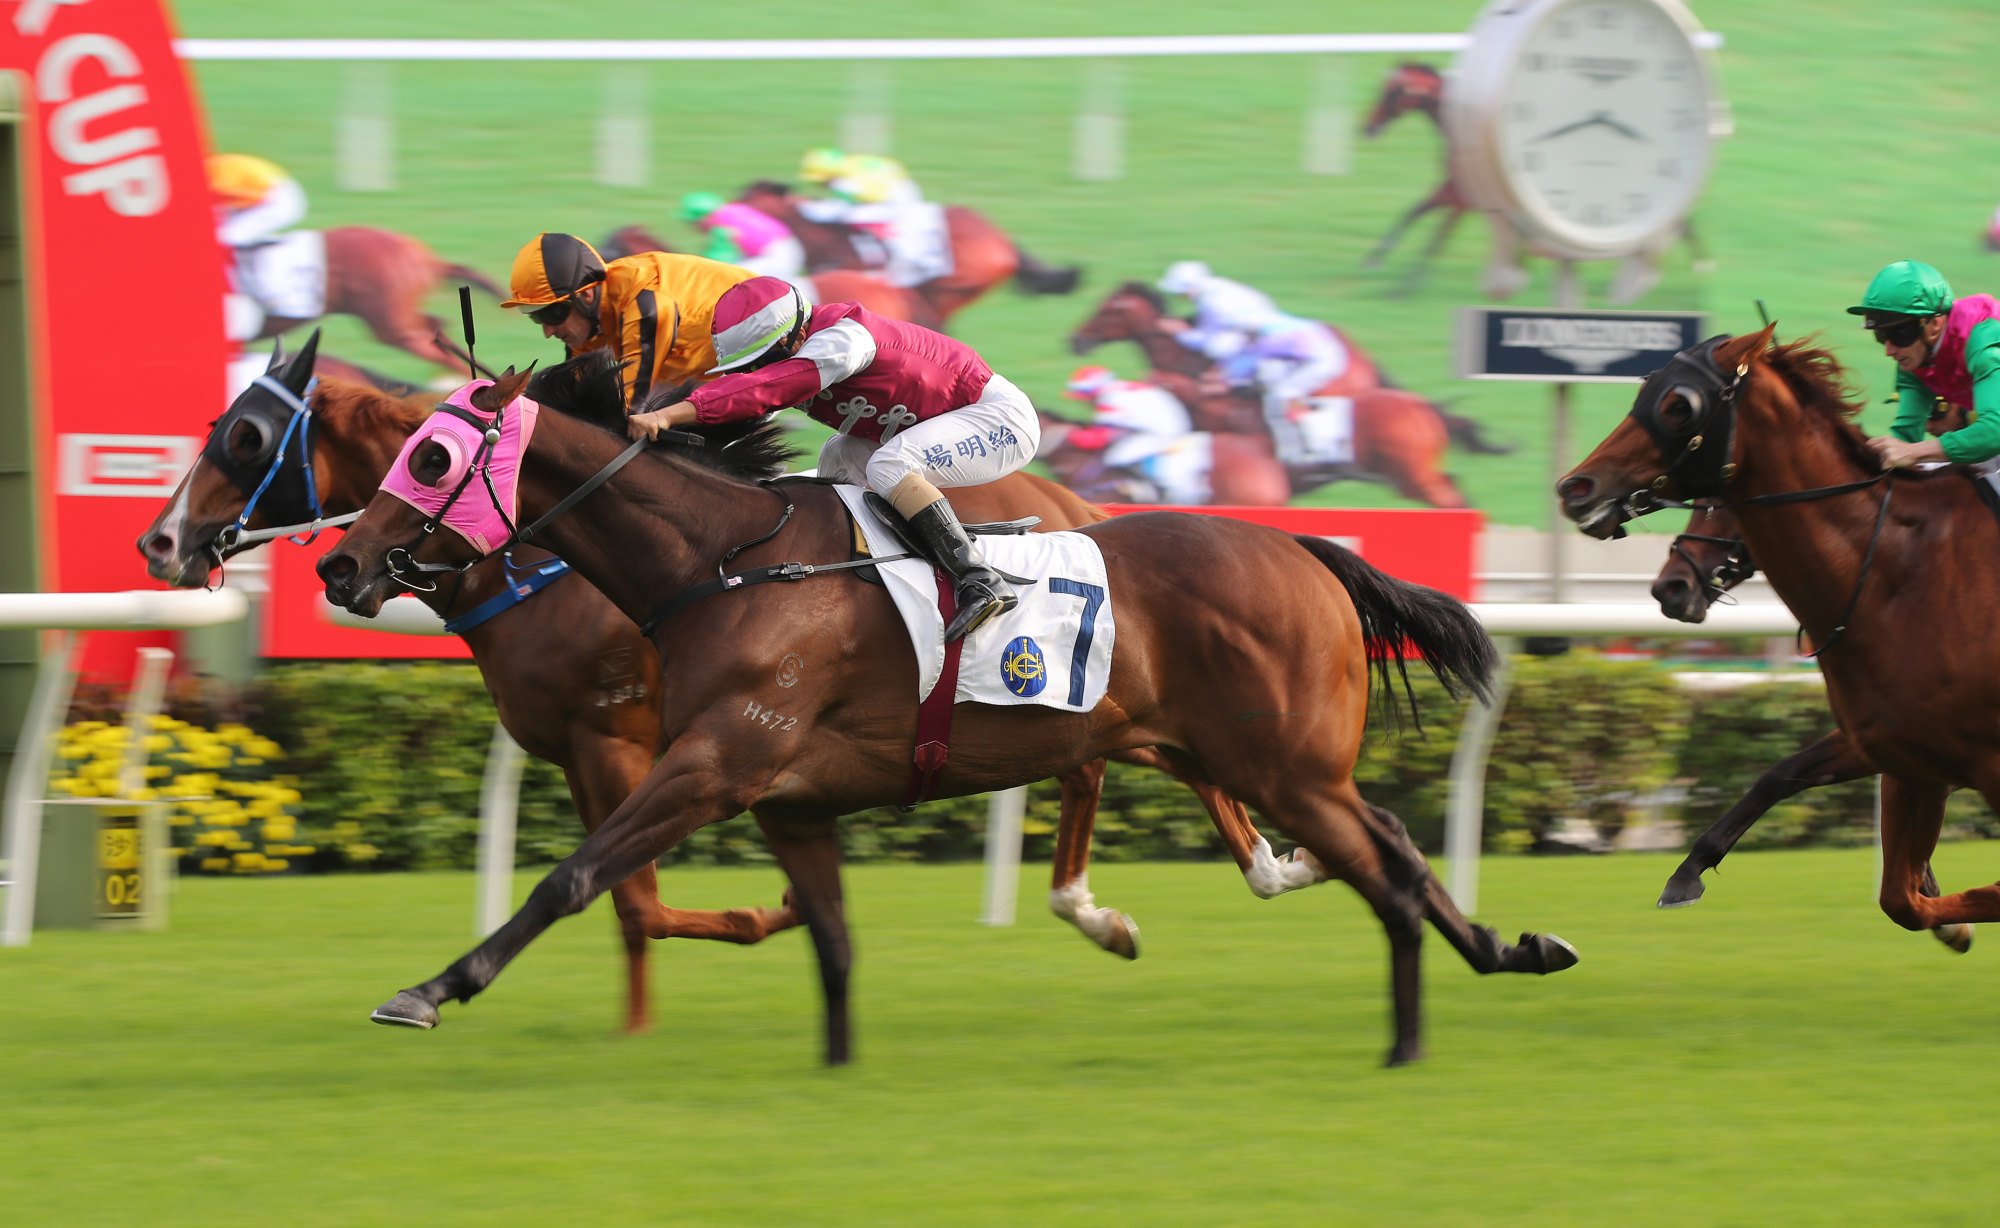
980	593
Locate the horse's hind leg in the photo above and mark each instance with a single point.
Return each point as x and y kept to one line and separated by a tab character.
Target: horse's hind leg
1265	872
1335	826
1478	945
808	850
1069	887
603	772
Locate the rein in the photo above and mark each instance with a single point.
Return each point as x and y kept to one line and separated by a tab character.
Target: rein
238	536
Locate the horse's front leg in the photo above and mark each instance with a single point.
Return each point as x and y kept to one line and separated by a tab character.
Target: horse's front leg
808	850
1830	760
1069	886
686	791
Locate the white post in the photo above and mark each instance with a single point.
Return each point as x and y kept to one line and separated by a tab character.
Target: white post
1329	143
1465	815
499	803
149	686
364	138
29	780
865	127
1099	151
624	130
1003	855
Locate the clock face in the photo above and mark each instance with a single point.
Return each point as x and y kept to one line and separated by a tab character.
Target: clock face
1602	123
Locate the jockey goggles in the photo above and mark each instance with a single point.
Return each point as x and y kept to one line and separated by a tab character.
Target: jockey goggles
550	315
1898	331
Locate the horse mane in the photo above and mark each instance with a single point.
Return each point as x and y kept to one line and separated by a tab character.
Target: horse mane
347	407
590	389
1820	384
1144	291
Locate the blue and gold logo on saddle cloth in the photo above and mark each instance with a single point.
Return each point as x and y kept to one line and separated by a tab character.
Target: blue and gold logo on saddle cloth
1023	670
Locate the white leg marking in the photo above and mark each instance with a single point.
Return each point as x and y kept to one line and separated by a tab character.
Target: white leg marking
1270	876
1075	905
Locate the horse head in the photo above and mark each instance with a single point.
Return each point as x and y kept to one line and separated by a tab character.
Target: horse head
458	471
1408	87
1702	564
1679	442
1126	314
255	469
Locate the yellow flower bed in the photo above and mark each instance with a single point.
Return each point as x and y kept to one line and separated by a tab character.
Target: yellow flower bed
232	810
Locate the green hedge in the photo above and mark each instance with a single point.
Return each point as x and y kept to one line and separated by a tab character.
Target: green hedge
399	751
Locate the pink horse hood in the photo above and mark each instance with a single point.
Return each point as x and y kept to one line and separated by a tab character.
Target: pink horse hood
483	517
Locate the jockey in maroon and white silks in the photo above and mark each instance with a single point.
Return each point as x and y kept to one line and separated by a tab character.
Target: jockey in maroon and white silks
914	410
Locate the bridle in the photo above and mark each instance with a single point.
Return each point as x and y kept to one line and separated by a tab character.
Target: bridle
1736	566
401	561
290	486
1695	454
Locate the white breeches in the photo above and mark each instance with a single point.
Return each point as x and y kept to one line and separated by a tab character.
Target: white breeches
988	439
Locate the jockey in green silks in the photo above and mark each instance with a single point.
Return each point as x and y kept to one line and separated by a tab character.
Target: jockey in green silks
1946	351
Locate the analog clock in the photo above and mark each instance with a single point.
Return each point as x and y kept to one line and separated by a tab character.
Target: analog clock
1588	124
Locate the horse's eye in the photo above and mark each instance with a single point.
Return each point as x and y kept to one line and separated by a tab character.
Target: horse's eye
1676	413
246	442
429	463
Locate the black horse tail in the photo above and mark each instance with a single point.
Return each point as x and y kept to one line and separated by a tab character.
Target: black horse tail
474	278
1034	277
1468	434
1397	616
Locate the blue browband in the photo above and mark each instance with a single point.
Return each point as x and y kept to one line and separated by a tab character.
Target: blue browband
520	587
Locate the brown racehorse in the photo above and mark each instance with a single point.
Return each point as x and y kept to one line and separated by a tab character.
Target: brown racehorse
1703	564
382	278
1243	651
1399	437
1859	554
835	286
982	254
531	655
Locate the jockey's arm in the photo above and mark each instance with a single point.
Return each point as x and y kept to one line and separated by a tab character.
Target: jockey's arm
722	245
646	331
827	357
1979	439
1914	402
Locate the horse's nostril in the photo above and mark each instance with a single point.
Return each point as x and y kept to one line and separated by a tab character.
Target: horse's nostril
1575	489
159	546
336	567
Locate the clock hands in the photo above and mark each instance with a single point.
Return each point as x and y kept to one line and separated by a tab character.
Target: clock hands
1596	119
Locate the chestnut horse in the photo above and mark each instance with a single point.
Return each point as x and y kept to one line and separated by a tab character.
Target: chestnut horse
1703	564
1399	437
1244	652
602	735
382	278
982	254
836	286
1861	555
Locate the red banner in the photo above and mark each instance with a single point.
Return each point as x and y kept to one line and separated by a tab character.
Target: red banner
124	283
296	626
1434	547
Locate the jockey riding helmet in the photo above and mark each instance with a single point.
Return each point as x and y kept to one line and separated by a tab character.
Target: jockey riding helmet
1185	277
1085	383
697	205
1905	289
751	318
822	165
551	267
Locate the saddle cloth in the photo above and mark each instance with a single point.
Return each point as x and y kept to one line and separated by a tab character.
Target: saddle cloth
1053	649
287	274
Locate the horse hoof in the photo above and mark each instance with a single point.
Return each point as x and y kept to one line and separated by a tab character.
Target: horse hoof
1548	953
1403	1055
1123	940
406	1010
1683	888
1957	937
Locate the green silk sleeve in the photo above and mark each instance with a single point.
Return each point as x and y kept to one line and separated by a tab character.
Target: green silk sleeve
1913	407
1980	439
